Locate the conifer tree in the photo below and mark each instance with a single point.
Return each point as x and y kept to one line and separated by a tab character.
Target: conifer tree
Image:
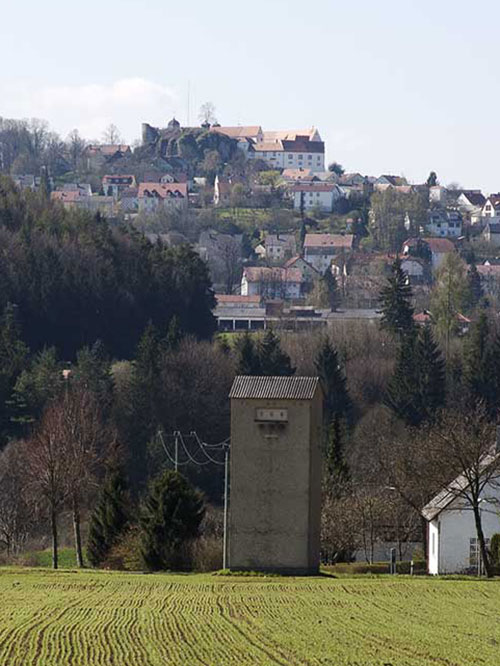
395	299
337	401
417	388
248	362
109	518
144	398
171	516
401	390
332	293
475	287
174	334
431	373
479	364
337	470
273	361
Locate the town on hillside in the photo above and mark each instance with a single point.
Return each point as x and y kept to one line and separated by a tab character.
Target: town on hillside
286	238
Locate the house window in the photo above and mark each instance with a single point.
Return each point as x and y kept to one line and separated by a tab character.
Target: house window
300	157
475	551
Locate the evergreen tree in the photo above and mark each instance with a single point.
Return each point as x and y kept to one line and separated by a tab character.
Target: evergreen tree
431	373
13	360
417	388
174	334
171	516
93	373
401	389
395	298
331	288
336	402
479	365
109	518
337	470
432	179
248	362
273	361
37	385
474	285
144	399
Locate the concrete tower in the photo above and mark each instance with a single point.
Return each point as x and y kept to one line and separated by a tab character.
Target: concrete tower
275	499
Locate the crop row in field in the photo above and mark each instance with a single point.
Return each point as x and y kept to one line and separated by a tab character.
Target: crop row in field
99	619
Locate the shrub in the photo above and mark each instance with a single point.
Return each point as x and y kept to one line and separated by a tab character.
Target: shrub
495	551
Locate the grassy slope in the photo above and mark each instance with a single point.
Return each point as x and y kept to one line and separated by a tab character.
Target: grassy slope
98	618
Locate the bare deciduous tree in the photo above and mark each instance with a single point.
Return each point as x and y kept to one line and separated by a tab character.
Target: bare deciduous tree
111	135
16	513
47	468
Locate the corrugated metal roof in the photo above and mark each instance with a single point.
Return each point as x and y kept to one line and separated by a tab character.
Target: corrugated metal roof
274	388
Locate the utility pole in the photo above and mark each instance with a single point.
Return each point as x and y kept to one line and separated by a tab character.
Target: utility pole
226	498
176	454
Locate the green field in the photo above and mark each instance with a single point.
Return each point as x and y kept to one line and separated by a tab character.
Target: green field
92	619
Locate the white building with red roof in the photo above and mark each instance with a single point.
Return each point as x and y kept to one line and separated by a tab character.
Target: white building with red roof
272	283
320	249
156	196
307	196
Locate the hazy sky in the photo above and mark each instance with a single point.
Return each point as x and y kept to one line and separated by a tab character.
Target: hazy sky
397	87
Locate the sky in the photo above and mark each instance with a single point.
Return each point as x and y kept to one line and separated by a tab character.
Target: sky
401	87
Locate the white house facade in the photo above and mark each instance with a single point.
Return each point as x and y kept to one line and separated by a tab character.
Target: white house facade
272	283
452	539
316	195
320	249
445	223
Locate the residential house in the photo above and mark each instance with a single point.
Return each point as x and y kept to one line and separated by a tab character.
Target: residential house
30	182
309	273
491	209
352	180
98	155
452	537
444	222
84	189
438	195
425	317
114	185
382	182
157	196
491	233
308	196
320	249
272	283
277	247
298	175
415	269
471	200
490	278
439	248
93	203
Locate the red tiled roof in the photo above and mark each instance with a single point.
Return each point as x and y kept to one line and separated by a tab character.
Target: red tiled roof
66	195
489	271
239	132
328	240
314	187
237	298
162	190
439	245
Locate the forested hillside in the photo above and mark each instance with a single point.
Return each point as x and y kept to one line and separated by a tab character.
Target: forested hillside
74	279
